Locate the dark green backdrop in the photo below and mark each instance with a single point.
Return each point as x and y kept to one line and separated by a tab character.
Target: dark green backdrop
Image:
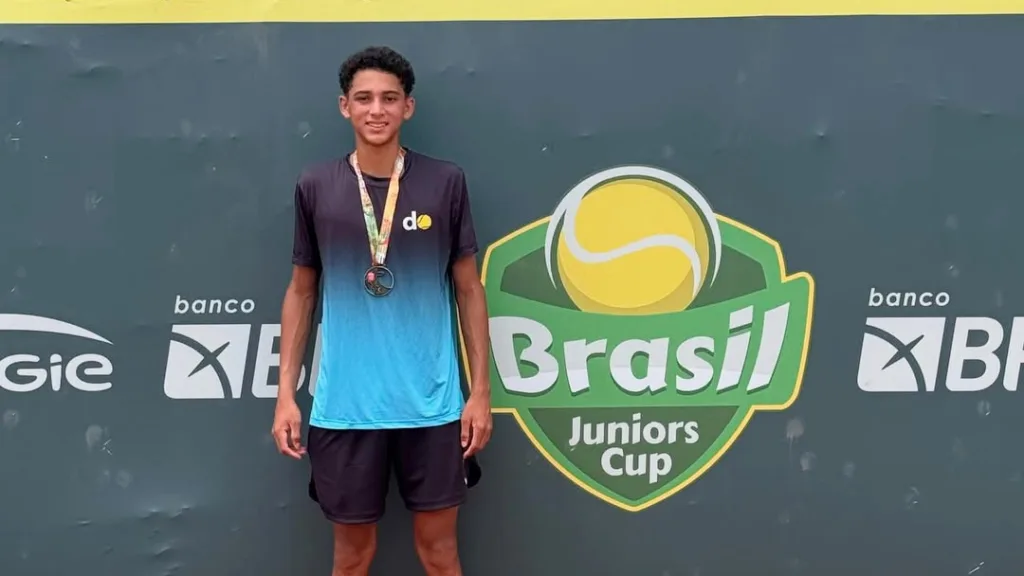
138	163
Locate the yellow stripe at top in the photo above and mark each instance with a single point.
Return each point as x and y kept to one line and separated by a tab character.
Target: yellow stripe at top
225	11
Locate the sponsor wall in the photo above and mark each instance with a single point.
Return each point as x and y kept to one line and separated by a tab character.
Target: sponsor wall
753	301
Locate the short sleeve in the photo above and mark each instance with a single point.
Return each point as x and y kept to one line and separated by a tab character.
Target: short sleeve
463	232
305	249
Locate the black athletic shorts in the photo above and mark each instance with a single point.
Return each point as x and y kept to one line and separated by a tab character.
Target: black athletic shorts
351	470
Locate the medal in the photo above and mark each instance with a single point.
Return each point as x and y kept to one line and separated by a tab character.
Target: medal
379	280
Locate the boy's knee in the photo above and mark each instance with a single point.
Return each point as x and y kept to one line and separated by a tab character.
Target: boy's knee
354	549
439	553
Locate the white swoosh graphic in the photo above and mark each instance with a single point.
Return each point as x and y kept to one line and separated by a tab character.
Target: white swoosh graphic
29	323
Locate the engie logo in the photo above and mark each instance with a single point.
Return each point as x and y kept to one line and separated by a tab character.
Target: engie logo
23	371
635	332
212	361
416	221
904	352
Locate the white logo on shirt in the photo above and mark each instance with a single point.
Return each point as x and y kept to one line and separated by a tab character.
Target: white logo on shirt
415	221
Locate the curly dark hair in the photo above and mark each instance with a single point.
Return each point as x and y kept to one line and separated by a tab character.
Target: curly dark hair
379	58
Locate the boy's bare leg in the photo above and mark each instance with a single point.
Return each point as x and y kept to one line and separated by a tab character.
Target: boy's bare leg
354	547
436	542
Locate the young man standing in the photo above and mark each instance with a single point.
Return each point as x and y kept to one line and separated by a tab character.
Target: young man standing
389	231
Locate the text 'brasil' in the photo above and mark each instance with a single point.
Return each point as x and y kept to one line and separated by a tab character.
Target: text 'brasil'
634	333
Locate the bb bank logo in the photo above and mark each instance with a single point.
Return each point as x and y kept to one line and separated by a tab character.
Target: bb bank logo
635	333
904	352
207	361
62	364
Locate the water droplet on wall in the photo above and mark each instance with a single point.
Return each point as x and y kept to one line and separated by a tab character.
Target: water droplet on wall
11	419
794	429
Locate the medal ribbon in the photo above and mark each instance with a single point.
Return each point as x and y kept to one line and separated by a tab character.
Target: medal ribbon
379	241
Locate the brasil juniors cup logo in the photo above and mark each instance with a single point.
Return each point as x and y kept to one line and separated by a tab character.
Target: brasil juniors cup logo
634	333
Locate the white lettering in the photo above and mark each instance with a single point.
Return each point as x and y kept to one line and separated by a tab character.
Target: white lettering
736	348
634	432
618	432
690	428
577	354
89	365
661	465
202	306
906	299
702	371
621	365
960	353
1014	355
773	335
409	222
13	360
503	330
606	461
638	366
79	372
654	433
654	466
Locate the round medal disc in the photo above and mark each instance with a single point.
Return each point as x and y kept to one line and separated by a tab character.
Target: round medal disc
379	281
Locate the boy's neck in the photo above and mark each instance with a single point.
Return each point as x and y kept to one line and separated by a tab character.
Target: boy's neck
377	161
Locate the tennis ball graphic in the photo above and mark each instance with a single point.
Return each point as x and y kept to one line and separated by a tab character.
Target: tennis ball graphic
633	240
423	222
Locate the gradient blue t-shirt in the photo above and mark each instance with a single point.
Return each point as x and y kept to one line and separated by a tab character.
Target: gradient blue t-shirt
390	361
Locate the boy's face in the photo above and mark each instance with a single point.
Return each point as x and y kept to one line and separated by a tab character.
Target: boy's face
376	105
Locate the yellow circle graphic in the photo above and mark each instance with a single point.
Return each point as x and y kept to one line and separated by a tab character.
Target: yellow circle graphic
634	244
423	222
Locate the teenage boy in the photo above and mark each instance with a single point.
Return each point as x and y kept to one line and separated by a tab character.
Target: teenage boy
389	233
